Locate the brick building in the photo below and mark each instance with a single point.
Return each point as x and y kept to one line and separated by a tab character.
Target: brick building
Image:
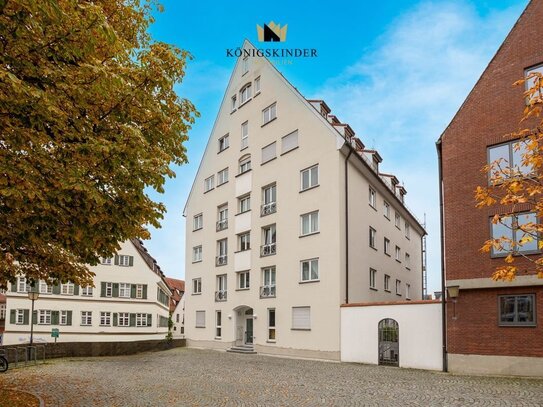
492	327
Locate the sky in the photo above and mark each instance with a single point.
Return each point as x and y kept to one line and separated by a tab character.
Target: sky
396	71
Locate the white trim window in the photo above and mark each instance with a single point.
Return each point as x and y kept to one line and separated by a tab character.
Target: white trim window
109	289
268	282
397	220
141	320
44	317
309	223
197	254
373	278
123	319
386	209
257	85
222	177
197	286
387	283
87	291
407	230
373	237
224	142
63	318
234	103
407	291
530	83
407	261
289	142
124	290
20	316
301	318
209	183
244	164
269	152
67	289
222	215
244	65
105	318
245	94
244	135
218	324
269	195
271	324
309	270
222	252
309	177
200	319
45	288
398	253
244	203
387	246
398	287
269	113
372	198
510	156
243	280
139	291
198	222
22	286
106	261
124	260
86	318
244	240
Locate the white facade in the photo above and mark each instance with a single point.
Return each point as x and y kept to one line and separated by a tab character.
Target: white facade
419	334
127	303
178	318
266	236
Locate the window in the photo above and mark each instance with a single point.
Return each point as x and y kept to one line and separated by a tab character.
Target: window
234	103
310	177
67	289
514	229
220	294
197	286
398	254
139	291
245	94
269	239
387	246
407	261
44	317
218	324
198	222
407	291
200	319
398	287
269	113
64	318
517	309
386	209
222	250
209	183
243	280
20	316
268	281
301	318
125	260
372	198
257	86
289	142
86	318
244	135
87	291
373	276
45	288
268	153
105	318
109	289
222	177
530	83
309	223
271	324
245	65
106	261
387	283
310	270
244	242
407	230
124	319
197	254
397	220
244	204
141	320
373	235
224	143
269	196
508	158
22	286
222	214
244	164
124	290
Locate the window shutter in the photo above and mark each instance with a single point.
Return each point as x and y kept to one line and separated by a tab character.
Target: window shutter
115	290
132	290
14	287
149	319
115	317
35	317
56	289
25	316
116	260
301	318
268	153
12	316
200	319
55	317
102	289
289	142
145	291
76	289
132	319
130	261
68	317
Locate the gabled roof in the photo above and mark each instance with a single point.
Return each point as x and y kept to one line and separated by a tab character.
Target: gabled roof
177	287
149	260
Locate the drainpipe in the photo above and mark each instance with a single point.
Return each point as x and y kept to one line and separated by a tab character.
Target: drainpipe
442	242
347	223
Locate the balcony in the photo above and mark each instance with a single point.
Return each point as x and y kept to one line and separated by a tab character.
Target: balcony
221	260
222	224
268	250
267	291
268	209
220	295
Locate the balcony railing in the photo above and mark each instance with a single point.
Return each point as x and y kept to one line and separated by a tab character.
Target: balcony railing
268	249
220	295
222	224
268	208
267	291
221	260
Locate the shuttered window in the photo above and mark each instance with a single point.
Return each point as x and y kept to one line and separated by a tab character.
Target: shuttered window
268	153
301	318
200	319
289	142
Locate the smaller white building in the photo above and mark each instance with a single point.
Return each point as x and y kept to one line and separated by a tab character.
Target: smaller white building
128	302
177	306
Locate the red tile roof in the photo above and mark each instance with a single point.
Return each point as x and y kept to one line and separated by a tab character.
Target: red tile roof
177	287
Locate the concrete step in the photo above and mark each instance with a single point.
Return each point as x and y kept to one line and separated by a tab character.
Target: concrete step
249	350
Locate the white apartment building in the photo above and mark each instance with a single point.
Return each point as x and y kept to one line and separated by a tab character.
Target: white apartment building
288	218
129	302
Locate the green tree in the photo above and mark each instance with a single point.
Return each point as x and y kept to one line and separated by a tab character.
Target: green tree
89	119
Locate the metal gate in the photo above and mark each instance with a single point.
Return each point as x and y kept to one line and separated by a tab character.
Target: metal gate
389	349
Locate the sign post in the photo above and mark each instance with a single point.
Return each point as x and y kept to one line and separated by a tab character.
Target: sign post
55	333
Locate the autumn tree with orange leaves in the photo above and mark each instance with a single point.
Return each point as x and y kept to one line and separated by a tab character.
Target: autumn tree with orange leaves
517	184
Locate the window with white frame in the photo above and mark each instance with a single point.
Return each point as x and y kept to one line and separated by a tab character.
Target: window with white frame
105	318
87	291
67	289
309	270
508	159
22	286
209	183
109	289
268	153
244	164
141	320
124	260
244	135
200	319
387	246
515	229
63	318
269	239
387	283
257	85
234	103
222	250
244	65
222	283
45	288
245	94
44	317
407	261
124	290
407	230
197	254
268	277
269	194
408	291
218	324
20	316
222	217
531	82
124	319
222	177
301	318
224	143
398	254
198	222
269	113
139	291
398	287
397	220
271	324
309	177
289	142
244	203
244	241
106	261
373	277
3	311
86	318
373	237
372	197
197	286
309	223
386	209
243	280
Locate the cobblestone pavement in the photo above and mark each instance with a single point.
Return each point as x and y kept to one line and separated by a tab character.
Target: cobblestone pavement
192	377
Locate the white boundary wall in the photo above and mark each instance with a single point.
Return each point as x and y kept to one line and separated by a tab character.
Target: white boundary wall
420	334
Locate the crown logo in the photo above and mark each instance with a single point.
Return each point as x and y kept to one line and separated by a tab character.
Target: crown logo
272	32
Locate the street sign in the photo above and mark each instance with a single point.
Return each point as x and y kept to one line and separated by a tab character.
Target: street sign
55	333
